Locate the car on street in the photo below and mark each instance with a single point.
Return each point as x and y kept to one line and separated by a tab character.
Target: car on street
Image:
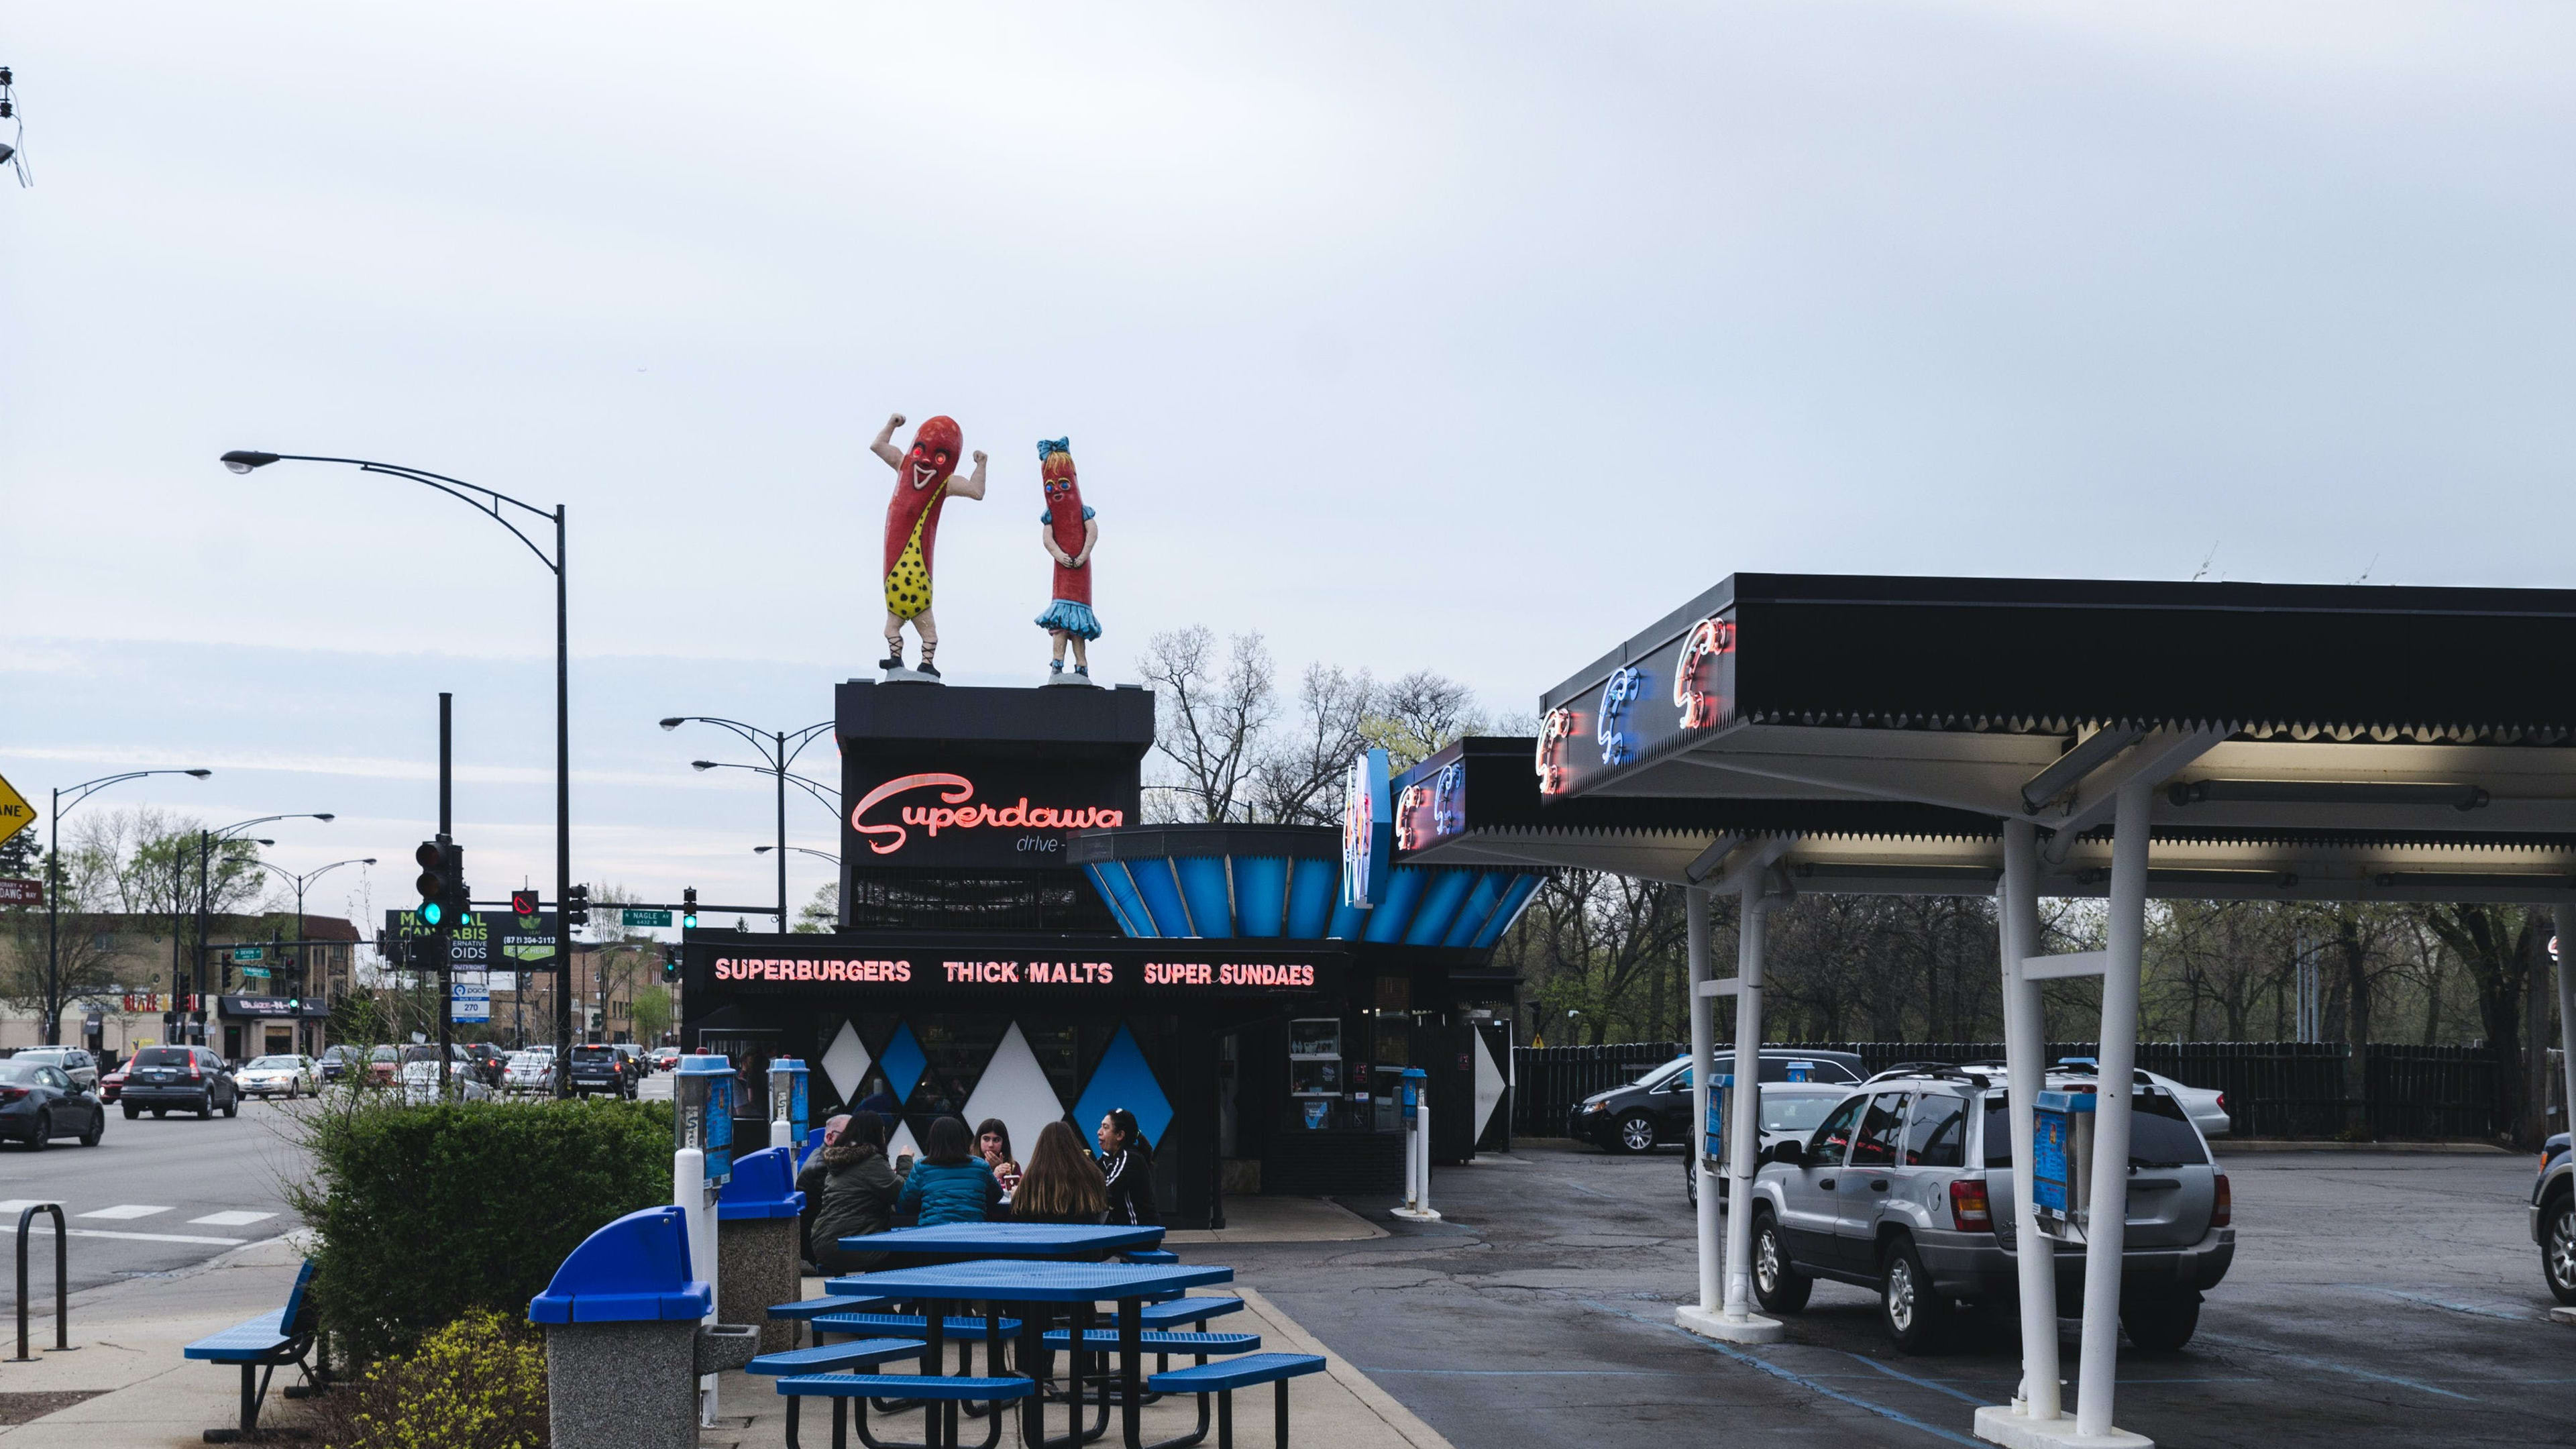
163	1079
1906	1189
664	1058
38	1103
285	1076
1656	1108
487	1061
338	1059
76	1064
418	1082
1789	1109
111	1083
2553	1217
528	1072
595	1067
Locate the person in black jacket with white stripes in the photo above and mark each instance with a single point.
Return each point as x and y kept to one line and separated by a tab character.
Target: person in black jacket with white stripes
1128	1163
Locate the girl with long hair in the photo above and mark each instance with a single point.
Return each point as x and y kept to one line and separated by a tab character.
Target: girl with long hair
1127	1164
1062	1183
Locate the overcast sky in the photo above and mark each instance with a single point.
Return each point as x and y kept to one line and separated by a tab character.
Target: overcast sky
1466	337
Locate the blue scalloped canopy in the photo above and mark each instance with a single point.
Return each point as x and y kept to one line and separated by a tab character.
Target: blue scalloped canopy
1299	898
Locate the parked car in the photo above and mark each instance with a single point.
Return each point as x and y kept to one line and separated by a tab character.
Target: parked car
279	1076
488	1062
338	1059
1906	1189
596	1067
2553	1217
1656	1108
2206	1106
418	1082
188	1078
1789	1109
528	1072
663	1058
76	1064
38	1103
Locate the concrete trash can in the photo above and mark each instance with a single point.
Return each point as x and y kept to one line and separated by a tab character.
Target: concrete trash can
626	1341
757	1259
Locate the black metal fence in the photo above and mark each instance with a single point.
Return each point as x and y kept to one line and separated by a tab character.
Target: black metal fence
2273	1088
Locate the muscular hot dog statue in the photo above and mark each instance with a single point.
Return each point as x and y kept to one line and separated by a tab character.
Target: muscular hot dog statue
924	480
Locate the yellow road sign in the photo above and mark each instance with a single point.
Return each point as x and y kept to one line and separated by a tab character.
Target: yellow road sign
15	813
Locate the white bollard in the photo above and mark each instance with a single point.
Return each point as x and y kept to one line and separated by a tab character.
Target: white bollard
697	1205
1417	1151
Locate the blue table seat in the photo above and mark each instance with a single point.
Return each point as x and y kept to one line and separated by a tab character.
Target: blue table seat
1189	1310
1104	1340
261	1346
949	1387
1149	1255
837	1303
1224	1378
954	1326
827	1357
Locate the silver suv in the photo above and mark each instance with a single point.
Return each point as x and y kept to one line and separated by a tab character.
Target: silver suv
1905	1188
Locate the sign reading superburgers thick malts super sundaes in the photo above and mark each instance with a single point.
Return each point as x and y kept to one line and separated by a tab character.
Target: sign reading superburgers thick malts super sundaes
999	972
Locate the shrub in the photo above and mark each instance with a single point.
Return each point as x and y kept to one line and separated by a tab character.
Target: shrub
478	1383
424	1214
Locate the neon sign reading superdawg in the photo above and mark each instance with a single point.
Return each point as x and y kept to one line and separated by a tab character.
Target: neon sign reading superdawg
957	811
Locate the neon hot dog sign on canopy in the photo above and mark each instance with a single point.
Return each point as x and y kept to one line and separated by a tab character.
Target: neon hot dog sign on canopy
957	812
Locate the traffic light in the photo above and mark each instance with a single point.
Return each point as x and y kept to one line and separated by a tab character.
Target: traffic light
670	963
689	909
577	906
444	901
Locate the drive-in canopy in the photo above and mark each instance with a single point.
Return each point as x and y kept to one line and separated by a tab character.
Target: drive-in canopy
2028	737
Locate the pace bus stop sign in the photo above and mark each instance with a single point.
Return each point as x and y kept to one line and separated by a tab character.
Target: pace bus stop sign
15	813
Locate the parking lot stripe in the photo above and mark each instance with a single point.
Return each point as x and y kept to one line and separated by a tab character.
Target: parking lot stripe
2332	1367
1801	1380
124	1211
230	1219
2411	1298
1911	1379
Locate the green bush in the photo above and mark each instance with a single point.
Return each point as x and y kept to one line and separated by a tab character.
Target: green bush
424	1214
478	1383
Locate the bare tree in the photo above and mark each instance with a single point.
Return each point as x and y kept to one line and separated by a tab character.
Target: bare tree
1213	717
1294	782
1419	715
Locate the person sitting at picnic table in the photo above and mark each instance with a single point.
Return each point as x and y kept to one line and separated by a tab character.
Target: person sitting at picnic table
810	1180
993	1144
950	1184
1062	1184
1128	1165
859	1192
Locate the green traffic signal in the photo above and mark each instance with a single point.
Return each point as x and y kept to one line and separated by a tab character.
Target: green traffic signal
430	912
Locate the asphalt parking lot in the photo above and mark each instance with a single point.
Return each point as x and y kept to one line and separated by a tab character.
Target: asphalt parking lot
2377	1298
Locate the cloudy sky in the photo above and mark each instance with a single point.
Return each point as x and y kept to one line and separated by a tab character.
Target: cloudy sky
1463	336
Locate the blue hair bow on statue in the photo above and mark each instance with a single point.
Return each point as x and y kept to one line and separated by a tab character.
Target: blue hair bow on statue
1049	448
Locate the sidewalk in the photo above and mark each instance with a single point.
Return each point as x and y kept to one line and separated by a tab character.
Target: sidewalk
141	1393
128	1338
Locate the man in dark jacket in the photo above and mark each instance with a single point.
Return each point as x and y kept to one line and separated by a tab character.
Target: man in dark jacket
858	1191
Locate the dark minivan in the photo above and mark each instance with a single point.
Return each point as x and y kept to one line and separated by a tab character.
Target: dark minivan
188	1078
1656	1107
597	1068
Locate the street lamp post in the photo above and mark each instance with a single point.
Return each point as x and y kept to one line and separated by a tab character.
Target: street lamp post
301	881
774	746
490	502
54	890
782	866
206	840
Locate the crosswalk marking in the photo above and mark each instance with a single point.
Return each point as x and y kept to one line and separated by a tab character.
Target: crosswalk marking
18	1205
229	1219
46	1225
125	1210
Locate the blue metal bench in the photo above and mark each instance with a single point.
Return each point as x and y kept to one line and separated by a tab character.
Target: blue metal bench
838	1303
1148	1255
1105	1340
261	1346
825	1358
1172	1312
938	1394
1223	1379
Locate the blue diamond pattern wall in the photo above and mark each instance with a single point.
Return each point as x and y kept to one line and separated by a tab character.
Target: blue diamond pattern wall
902	1062
1123	1079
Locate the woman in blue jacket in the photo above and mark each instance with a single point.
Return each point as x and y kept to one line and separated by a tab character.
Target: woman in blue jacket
950	1184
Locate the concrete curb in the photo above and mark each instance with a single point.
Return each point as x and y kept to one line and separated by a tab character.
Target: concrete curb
2237	1146
1281	1331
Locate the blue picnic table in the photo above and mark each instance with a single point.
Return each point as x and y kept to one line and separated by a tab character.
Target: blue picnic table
1008	1240
1042	1284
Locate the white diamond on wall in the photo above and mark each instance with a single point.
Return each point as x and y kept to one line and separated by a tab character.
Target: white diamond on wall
902	1142
1016	1089
1489	1084
846	1063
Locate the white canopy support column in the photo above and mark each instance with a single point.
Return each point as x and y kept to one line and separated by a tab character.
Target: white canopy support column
1735	1321
2025	1053
2106	1225
2563	917
1703	1038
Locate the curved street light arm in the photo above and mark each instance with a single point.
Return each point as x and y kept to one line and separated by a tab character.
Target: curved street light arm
483	500
87	788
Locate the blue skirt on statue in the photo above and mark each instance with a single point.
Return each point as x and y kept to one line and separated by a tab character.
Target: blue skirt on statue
1074	619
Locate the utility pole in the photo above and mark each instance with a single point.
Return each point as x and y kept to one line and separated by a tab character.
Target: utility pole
445	937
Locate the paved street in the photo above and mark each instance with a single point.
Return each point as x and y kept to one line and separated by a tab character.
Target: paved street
2378	1298
156	1196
